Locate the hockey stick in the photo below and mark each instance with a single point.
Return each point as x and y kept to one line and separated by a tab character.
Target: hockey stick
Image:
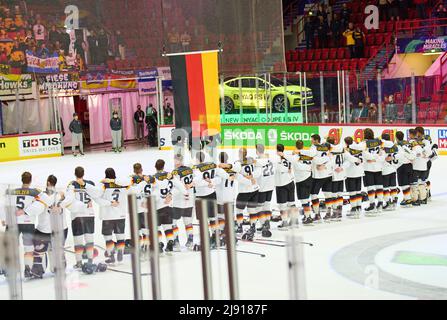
249	252
263	243
282	241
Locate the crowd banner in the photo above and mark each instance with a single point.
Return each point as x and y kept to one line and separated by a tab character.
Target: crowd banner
248	135
30	147
422	44
10	83
62	84
100	81
196	92
39	65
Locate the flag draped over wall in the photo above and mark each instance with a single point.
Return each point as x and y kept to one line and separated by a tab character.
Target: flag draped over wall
195	81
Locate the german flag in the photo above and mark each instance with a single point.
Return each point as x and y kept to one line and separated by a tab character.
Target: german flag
195	81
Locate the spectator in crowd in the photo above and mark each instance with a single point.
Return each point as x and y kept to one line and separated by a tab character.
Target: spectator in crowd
345	15
103	47
116	126
403	9
390	110
393	10
421	6
139	122
359	40
350	41
441	14
309	32
54	35
152	124
408	110
39	31
321	12
185	39
383	9
174	40
372	113
64	39
363	112
43	51
93	47
76	135
322	31
336	31
121	45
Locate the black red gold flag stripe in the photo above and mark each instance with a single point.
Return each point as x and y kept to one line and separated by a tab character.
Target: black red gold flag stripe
195	81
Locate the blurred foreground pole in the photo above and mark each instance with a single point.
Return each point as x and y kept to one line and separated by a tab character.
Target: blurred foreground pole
230	237
297	277
202	215
154	249
58	256
135	245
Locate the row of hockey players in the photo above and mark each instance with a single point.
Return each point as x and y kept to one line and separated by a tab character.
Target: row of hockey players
249	183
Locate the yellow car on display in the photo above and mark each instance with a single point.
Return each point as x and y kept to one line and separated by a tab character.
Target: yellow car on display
246	93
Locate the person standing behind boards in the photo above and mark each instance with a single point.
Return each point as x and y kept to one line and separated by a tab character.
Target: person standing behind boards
76	133
116	127
139	121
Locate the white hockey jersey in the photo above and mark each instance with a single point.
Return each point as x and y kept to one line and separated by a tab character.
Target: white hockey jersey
406	154
203	172
373	153
301	165
283	171
23	199
266	179
44	218
391	150
320	154
422	151
226	189
114	192
182	197
80	200
356	169
162	188
142	190
243	170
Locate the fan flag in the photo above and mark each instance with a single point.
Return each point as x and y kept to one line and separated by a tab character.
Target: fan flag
195	81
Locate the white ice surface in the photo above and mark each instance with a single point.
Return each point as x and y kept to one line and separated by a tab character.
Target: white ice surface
260	278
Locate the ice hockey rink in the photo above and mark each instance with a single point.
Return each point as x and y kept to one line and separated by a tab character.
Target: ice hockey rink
396	255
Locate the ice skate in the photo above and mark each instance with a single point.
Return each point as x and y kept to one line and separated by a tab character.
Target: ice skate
190	242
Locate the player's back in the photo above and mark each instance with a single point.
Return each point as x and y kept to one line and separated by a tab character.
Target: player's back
226	189
338	161
356	170
266	180
391	150
21	199
162	188
246	168
113	192
181	196
302	165
372	153
83	206
202	172
321	157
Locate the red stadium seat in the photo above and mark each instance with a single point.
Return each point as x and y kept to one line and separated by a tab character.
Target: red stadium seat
341	53
333	54
325	54
329	66
353	65
317	54
309	54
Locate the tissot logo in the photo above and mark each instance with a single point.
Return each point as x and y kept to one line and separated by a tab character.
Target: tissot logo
45	142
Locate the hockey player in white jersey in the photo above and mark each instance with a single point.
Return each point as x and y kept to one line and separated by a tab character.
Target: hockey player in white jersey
182	201
142	189
80	193
266	182
20	201
354	174
302	170
207	175
422	150
373	157
45	230
405	168
340	162
389	173
248	189
421	136
225	192
113	213
162	190
321	173
285	189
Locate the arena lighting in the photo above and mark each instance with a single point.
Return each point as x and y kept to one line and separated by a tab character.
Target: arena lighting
432	53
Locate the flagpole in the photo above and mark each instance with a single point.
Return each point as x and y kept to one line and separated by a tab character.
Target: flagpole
191	52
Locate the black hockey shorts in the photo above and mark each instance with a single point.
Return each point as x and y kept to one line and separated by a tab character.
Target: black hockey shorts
211	201
419	175
389	181
372	179
324	184
247	200
164	216
43	240
178	213
83	225
27	231
405	174
353	184
304	188
337	186
142	220
285	194
109	227
264	197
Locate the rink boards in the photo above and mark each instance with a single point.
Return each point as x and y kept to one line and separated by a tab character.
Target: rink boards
248	135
